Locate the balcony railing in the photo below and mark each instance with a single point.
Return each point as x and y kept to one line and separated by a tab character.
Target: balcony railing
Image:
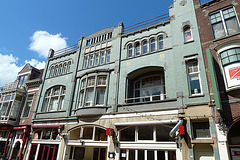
146	98
65	50
205	1
10	86
147	22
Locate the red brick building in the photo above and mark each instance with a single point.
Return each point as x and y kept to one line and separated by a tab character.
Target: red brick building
219	28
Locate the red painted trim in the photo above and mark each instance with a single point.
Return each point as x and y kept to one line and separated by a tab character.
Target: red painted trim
49	147
54	149
31	149
42	152
20	127
5	148
6	128
47	126
23	143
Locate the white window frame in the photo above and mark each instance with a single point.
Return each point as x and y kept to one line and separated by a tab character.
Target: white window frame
25	105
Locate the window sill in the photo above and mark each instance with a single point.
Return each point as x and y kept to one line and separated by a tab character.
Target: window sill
51	112
196	95
215	40
203	140
186	42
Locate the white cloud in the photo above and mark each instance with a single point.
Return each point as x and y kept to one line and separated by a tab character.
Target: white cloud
8	69
42	41
35	63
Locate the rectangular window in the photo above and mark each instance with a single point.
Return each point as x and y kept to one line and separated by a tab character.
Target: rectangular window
90	61
201	130
96	61
108	56
102	57
193	77
85	63
27	106
22	80
224	23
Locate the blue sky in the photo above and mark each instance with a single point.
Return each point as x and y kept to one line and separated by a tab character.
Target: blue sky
30	27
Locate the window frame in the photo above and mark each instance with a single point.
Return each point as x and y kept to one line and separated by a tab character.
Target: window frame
187	29
160	41
84	87
130	50
49	97
25	105
188	63
223	22
152	43
193	124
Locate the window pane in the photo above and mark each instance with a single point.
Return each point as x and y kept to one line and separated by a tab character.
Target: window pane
89	97
232	26
141	155
54	133
27	109
102	80
153	45
54	104
130	51
160	155
150	155
91	81
102	57
79	153
144	47
108	55
160	43
171	155
87	133
75	134
137	47
4	108
15	109
132	154
100	96
96	59
100	134
128	134
46	134
194	84
218	30
187	34
162	133
145	133
201	130
123	154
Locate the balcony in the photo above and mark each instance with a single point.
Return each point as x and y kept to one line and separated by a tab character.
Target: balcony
11	86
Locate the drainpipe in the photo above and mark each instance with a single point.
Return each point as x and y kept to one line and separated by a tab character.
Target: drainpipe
175	128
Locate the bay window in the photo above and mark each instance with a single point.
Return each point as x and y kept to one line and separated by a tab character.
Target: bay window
224	22
93	91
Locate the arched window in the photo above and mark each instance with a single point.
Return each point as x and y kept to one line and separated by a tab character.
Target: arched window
56	70
60	69
144	45
152	45
64	70
130	52
52	71
160	42
54	99
187	34
137	49
69	66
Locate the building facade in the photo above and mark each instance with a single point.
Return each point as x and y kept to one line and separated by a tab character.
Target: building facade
221	47
136	92
16	112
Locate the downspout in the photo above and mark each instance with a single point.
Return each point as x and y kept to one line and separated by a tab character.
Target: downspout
175	128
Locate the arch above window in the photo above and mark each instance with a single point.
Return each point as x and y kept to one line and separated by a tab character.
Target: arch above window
61	68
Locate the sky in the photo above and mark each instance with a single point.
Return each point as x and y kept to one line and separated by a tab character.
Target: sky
29	28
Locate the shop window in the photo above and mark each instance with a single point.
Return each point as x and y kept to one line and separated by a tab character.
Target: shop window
48	151
230	56
145	132
75	134
160	42
132	154
162	133
28	105
201	130
187	34
54	99
193	77
49	133
94	91
100	134
130	51
46	134
145	47
224	22
152	45
127	134
137	49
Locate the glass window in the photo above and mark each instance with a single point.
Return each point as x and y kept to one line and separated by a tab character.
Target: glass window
130	52
145	47
96	61
100	134
54	99
127	134
94	93
102	57
85	63
224	23
162	133
153	45
145	133
137	49
108	56
193	77
187	34
160	42
201	130
229	56
90	61
87	132
28	105
22	80
46	133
